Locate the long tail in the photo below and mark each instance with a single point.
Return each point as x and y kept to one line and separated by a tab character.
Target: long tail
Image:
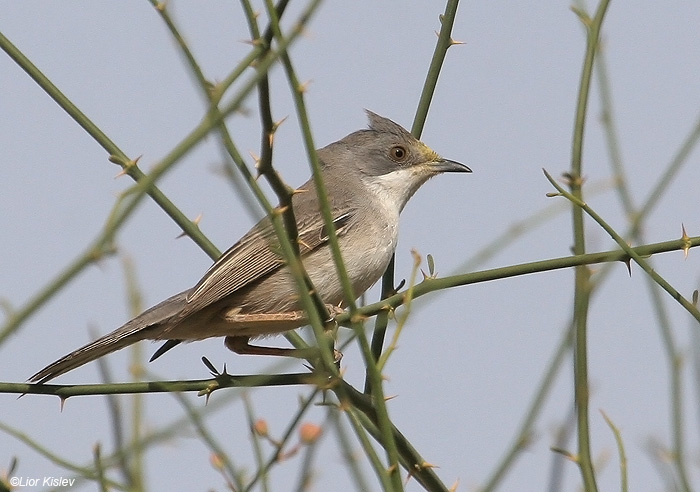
148	325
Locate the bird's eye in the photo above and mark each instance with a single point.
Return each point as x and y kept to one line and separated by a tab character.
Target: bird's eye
398	153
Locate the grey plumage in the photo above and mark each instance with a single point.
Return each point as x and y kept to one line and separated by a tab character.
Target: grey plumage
370	175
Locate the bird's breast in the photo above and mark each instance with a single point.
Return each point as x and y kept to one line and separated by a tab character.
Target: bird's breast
366	248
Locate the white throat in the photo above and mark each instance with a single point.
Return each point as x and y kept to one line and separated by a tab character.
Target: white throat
393	190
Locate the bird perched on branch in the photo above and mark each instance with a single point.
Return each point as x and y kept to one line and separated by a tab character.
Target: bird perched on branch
249	291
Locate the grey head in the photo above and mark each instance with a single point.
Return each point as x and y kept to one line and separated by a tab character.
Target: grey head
386	160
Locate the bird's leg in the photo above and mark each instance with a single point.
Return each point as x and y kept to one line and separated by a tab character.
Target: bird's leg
285	321
241	346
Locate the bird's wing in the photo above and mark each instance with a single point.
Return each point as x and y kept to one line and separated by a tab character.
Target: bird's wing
258	254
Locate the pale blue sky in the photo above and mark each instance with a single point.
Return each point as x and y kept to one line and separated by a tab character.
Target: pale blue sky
469	358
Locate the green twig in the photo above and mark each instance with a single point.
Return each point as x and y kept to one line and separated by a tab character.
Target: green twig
285	229
410	459
304	406
99	249
526	430
636	217
421	289
375	378
99	469
137	458
316	308
671	351
116	417
81	471
162	9
685	243
401	320
620	450
146	183
115	153
349	456
204	386
582	288
355	419
255	437
380	324
311	450
207	438
444	42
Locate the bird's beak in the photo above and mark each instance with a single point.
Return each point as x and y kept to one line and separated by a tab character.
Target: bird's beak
448	166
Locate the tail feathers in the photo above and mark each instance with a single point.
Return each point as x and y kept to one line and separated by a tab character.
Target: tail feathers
149	325
102	346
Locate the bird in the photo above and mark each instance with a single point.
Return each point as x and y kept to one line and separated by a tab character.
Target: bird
249	292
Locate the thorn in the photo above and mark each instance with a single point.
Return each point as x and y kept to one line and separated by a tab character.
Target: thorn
417	467
214	90
63	402
125	165
284	456
628	262
6	307
686	240
207	392
303	87
302	243
252	42
567	454
195	222
568	177
256	158
571	180
277	124
454	42
11	469
216	461
161	6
